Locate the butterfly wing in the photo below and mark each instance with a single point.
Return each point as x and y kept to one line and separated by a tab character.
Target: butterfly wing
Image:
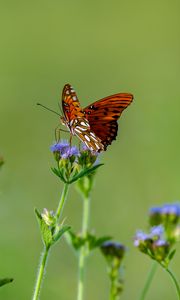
103	115
70	104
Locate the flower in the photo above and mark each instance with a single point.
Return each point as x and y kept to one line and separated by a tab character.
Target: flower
157	232
167	214
140	238
48	217
87	157
63	150
113	249
153	244
171	209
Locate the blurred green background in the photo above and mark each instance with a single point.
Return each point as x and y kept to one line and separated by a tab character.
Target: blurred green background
101	48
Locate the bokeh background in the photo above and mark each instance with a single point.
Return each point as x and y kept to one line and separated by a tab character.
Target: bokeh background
101	48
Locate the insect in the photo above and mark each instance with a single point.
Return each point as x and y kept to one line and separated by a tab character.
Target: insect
95	125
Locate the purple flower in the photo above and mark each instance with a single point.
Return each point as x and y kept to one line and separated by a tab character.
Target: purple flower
64	149
140	237
113	249
171	209
85	148
59	147
157	232
166	209
161	243
155	210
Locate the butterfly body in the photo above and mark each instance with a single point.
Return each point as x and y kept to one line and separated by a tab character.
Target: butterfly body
96	125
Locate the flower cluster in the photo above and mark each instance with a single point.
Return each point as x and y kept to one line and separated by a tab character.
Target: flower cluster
164	232
169	216
72	163
154	243
167	213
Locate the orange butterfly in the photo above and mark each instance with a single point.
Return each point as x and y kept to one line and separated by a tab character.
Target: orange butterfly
96	125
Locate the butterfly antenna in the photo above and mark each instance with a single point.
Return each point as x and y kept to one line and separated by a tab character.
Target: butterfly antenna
48	109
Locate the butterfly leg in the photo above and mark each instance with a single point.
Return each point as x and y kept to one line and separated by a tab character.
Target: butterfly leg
79	146
70	140
57	132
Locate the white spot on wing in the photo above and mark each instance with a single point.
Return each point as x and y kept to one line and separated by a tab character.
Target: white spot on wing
67	92
84	124
74	98
71	122
81	128
77	130
97	146
92	134
93	137
87	138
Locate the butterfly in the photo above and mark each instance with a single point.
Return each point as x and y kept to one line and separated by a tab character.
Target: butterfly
95	125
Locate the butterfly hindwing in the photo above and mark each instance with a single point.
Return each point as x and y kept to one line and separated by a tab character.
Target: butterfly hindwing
82	130
103	115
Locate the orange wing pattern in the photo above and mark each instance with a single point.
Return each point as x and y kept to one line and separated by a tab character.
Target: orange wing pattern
70	104
103	115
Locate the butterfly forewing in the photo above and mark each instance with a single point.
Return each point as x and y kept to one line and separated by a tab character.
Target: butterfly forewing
70	104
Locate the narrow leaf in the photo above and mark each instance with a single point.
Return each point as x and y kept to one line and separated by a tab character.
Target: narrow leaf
5	281
171	255
59	174
60	233
84	172
38	215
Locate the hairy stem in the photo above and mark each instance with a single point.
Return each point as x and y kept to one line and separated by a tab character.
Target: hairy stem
44	255
41	272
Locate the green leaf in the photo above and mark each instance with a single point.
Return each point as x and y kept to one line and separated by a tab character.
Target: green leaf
5	281
171	254
75	240
58	173
84	172
45	230
60	233
38	215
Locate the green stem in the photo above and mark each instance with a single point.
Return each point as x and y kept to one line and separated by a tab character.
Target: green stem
148	280
41	271
175	282
62	201
113	290
83	250
45	252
